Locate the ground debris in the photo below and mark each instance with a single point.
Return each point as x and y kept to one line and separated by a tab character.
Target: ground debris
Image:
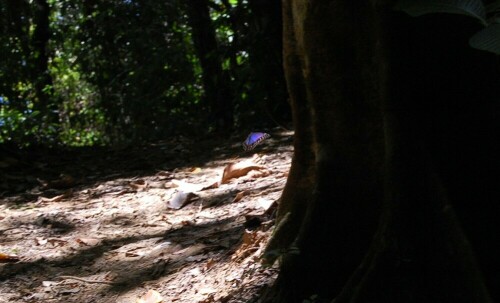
100	230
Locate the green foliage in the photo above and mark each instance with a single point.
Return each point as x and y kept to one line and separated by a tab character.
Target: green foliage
488	39
105	72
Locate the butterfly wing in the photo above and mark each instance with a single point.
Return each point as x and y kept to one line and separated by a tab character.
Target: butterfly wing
254	139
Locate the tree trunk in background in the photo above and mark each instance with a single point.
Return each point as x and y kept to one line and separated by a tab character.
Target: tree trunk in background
387	96
16	24
216	81
266	58
41	75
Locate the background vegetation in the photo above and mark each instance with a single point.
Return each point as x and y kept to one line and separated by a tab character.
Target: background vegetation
105	72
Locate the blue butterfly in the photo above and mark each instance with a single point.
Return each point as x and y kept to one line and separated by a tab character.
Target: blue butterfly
254	139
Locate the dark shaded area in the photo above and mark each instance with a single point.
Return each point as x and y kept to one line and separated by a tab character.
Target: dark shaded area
404	117
449	93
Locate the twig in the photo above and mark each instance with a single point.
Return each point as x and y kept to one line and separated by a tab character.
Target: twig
88	280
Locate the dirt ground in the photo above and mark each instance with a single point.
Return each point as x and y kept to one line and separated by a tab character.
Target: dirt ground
100	225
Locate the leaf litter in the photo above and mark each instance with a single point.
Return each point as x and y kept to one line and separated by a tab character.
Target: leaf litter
96	225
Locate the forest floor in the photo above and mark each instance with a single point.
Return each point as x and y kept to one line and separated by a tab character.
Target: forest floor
101	225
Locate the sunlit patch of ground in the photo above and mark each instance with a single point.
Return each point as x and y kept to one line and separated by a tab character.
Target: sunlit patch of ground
107	235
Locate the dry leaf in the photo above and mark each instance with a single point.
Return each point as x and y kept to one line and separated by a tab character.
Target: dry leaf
4	258
57	242
67	194
236	170
88	241
214	184
164	174
133	254
207	290
210	263
265	204
41	241
251	243
68	291
195	170
64	182
49	283
138	184
240	195
152	296
259	173
190	187
209	299
180	199
195	272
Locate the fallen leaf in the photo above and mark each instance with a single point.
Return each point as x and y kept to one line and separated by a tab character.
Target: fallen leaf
185	186
210	263
57	242
195	170
69	291
214	184
265	204
195	272
88	241
41	241
4	258
49	283
138	184
251	242
133	254
64	182
67	194
152	296
196	258
186	223
240	195
165	174
207	290
236	170
259	174
209	299
180	199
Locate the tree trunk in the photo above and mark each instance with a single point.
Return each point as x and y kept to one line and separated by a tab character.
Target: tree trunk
216	81
42	78
300	182
346	130
379	87
16	23
266	58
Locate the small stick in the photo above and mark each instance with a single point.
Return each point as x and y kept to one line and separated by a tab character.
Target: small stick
88	280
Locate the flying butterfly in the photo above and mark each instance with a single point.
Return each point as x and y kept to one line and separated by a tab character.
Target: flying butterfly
254	139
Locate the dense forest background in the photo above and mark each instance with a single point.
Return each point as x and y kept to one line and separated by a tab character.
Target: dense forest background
107	72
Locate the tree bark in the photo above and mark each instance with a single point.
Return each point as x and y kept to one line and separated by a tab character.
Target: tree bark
380	223
346	131
301	178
